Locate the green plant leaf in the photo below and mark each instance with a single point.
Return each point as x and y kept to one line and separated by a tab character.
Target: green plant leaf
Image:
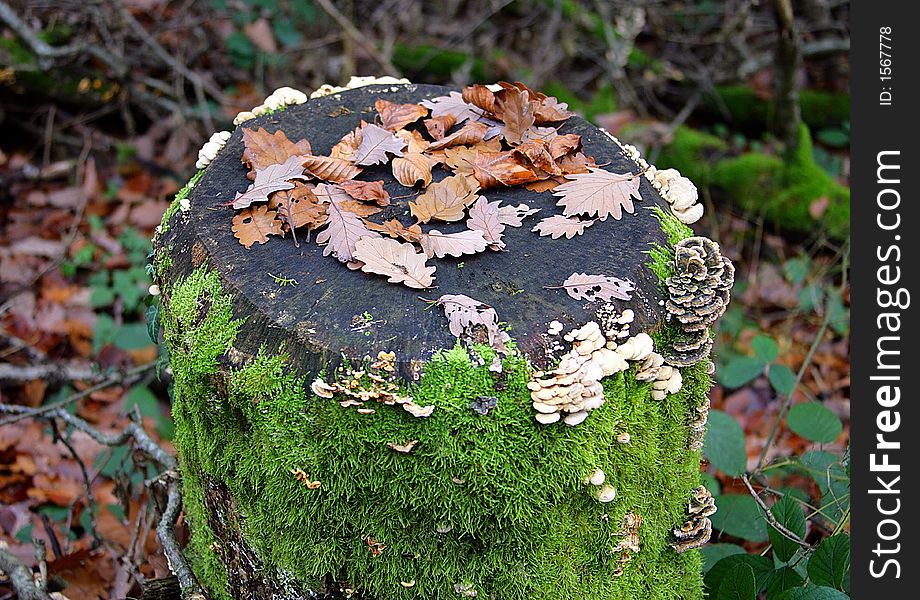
738	584
833	480
739	515
152	316
782	379
784	578
724	446
713	553
789	514
740	370
830	564
796	269
765	348
814	421
131	336
813	592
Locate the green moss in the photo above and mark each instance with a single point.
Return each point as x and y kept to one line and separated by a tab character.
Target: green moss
661	257
785	192
176	203
693	153
495	501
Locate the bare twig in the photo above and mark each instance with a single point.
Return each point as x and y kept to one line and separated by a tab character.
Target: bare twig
48	371
20	577
358	37
772	519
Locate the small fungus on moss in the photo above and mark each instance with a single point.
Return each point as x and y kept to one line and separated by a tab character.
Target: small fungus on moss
698	528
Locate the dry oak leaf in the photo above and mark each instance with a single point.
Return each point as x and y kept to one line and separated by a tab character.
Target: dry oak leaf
399	262
254	225
329	168
412	169
468	135
582	286
376	143
262	149
343	231
464	314
270	179
575	162
299	206
516	112
547	109
495	169
438	244
558	226
564	144
438	126
484	217
395	229
334	194
536	152
394	117
480	96
368	191
445	200
598	193
547	134
544	185
415	141
515	215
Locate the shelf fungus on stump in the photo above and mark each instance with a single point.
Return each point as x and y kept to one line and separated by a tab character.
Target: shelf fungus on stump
698	426
700	291
698	528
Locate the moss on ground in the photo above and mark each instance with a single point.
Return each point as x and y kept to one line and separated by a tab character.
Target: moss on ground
493	501
763	183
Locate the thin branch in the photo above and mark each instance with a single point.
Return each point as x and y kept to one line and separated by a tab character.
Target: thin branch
358	37
772	519
20	577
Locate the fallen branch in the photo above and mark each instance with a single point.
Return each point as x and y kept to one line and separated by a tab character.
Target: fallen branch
772	519
20	577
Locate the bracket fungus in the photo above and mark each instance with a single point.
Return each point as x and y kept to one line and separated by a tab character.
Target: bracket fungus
630	543
698	426
698	528
699	291
210	149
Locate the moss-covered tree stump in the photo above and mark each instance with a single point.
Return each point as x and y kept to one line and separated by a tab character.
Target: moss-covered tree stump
307	470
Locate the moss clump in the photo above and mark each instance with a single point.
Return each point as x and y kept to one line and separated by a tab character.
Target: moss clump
494	501
693	153
753	114
662	257
176	204
784	191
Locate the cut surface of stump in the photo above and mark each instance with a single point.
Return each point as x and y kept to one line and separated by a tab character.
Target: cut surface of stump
334	311
312	466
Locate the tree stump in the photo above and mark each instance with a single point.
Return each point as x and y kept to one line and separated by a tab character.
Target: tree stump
295	484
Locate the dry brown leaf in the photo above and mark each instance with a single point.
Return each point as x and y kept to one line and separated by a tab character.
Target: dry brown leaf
343	230
582	286
299	207
415	141
514	108
334	194
346	147
469	134
368	191
484	217
536	153
438	126
376	143
564	144
546	134
412	169
547	109
480	96
270	179
515	215
461	160
453	105
544	185
328	168
444	200
263	149
394	117
557	226
254	225
438	244
395	229
598	193
400	263
495	169
576	162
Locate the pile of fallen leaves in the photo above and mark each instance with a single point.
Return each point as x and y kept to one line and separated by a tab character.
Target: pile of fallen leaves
485	137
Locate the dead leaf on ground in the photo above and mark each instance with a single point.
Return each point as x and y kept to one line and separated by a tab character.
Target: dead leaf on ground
598	193
444	200
254	225
400	263
263	149
557	226
394	117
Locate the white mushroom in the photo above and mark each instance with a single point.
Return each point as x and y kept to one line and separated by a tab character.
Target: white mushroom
597	477
547	419
606	494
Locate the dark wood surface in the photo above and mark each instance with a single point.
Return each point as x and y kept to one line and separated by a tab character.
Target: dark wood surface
323	316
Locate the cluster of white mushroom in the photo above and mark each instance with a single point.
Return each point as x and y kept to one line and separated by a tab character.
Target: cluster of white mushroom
356	82
283	96
357	391
573	389
210	149
604	491
678	191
